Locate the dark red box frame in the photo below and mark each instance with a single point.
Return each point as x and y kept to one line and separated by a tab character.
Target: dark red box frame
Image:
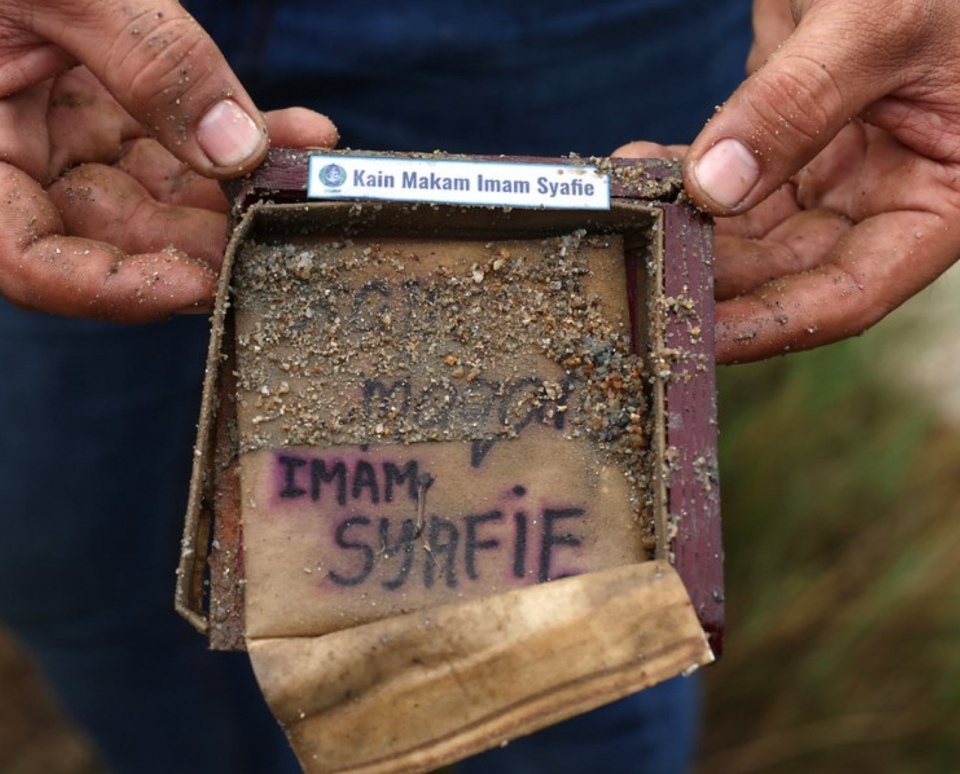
684	392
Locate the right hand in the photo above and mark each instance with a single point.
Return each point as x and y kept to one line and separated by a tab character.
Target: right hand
835	168
107	169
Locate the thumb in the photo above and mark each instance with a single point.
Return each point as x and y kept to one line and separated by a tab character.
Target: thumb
167	72
784	114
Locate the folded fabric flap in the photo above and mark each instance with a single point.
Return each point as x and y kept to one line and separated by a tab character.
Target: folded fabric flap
410	693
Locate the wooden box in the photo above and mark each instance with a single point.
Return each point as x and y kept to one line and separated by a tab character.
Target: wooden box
455	474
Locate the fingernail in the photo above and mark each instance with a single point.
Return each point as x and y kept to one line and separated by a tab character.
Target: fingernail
228	135
727	172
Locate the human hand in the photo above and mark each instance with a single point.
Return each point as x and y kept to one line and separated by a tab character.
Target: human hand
840	159
105	214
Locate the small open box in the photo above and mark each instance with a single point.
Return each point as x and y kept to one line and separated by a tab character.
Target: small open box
455	476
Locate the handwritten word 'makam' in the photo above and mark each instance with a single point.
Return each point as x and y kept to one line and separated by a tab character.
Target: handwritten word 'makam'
511	404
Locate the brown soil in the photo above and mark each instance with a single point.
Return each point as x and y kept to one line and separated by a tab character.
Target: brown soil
34	736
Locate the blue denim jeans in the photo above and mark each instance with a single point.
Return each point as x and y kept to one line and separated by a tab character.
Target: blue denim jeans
98	420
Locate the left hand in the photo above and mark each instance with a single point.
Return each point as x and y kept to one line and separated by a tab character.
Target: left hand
99	219
834	168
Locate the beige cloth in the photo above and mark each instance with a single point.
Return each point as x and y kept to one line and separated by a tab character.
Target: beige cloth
408	694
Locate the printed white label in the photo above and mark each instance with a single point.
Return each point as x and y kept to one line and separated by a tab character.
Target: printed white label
447	181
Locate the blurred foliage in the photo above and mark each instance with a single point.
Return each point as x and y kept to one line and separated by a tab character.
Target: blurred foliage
841	505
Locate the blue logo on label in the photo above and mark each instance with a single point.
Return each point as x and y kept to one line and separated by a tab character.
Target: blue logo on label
332	175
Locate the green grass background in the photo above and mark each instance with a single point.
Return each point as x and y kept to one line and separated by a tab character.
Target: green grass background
841	509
